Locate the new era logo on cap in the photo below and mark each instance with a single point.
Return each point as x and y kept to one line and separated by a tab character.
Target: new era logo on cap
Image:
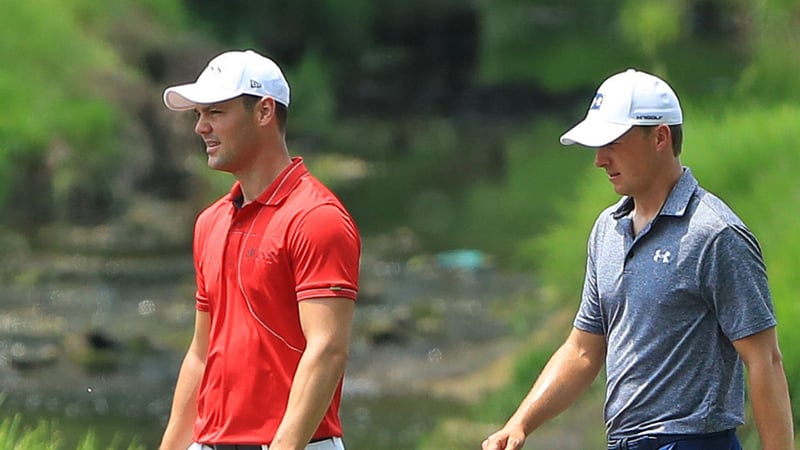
230	75
625	100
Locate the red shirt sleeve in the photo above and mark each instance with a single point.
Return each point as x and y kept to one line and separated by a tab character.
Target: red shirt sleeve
325	249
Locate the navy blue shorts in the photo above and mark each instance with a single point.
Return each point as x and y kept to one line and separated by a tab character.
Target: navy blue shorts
724	440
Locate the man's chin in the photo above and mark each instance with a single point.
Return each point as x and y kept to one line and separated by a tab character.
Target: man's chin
620	190
218	165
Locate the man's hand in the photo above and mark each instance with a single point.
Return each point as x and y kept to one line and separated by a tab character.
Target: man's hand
508	438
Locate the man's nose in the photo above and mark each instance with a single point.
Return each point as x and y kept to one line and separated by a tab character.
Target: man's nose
601	157
202	127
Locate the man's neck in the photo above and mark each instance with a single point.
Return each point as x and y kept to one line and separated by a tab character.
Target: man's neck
649	204
261	174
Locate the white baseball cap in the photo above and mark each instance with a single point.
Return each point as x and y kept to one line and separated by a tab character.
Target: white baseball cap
624	100
230	75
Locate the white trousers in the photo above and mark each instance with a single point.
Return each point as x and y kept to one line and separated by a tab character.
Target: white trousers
328	444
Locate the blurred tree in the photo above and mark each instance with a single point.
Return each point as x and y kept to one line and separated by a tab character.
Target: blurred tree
50	108
652	25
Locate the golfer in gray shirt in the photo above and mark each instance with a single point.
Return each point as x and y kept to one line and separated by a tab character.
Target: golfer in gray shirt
675	301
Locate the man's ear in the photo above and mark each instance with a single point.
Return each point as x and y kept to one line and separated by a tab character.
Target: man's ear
663	136
265	110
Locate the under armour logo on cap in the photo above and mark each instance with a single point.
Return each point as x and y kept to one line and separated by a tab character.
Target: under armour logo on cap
597	101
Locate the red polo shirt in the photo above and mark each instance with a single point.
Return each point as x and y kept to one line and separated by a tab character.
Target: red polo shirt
253	264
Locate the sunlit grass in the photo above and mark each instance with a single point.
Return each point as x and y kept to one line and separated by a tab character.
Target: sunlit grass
14	435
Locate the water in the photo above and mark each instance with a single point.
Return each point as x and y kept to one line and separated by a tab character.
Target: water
145	309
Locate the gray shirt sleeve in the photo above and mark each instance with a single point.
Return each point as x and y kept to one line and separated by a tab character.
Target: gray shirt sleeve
733	282
589	317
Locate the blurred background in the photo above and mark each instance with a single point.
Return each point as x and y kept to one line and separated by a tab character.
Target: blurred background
435	121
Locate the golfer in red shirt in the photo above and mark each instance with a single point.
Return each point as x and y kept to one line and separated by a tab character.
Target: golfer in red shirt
276	261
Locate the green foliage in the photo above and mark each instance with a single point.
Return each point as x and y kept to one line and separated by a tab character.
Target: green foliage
14	435
539	178
539	41
559	254
773	75
506	400
651	25
289	28
52	58
568	45
168	12
42	72
48	89
312	106
418	173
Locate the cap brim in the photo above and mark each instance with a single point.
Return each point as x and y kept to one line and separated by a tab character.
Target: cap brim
594	133
187	96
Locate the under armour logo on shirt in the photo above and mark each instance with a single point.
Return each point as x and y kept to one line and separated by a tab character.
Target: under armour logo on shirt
662	256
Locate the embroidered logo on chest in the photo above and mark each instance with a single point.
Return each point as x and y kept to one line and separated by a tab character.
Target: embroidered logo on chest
662	256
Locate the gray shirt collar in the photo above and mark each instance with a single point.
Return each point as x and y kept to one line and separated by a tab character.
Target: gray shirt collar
677	200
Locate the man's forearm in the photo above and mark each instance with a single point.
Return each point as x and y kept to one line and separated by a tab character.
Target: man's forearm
565	377
771	405
315	382
178	433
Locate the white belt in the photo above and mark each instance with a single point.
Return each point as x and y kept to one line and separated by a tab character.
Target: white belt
334	443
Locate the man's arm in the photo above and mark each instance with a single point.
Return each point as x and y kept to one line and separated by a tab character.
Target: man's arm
769	393
178	434
326	325
570	371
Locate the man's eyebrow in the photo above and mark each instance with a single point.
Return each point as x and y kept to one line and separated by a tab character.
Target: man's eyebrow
205	107
619	139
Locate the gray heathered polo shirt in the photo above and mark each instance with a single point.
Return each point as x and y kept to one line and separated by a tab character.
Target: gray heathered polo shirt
669	302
